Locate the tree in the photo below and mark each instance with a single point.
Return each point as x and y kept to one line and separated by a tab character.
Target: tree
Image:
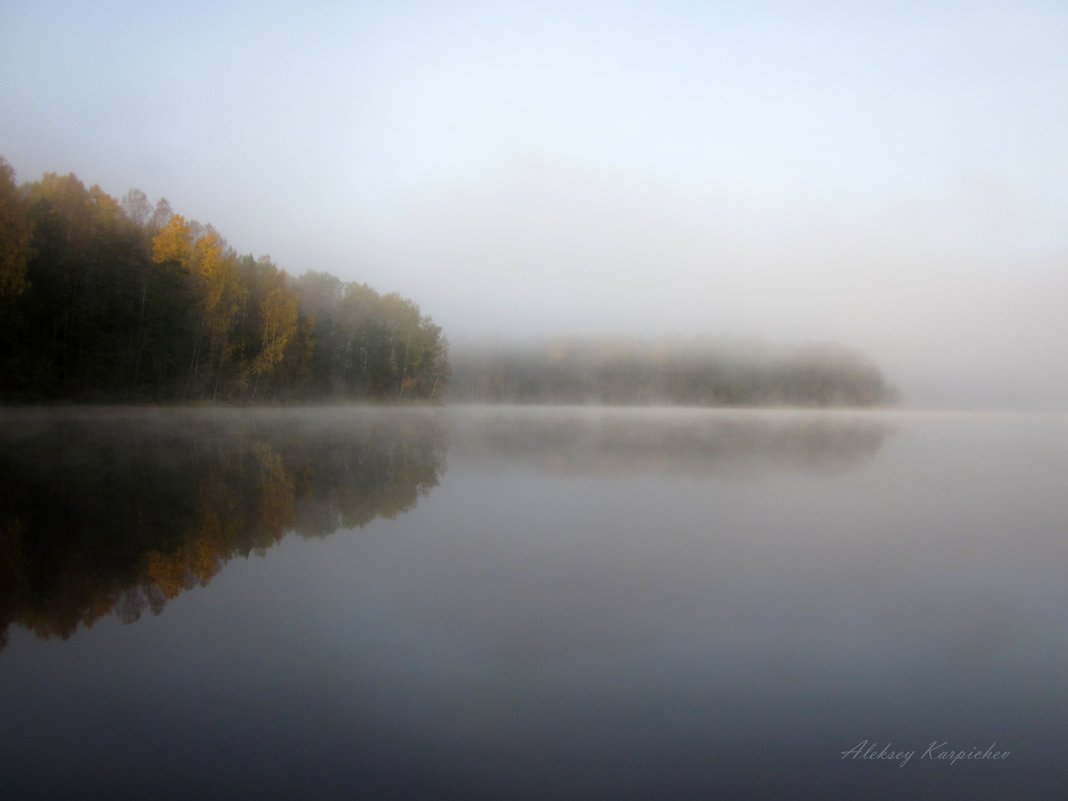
136	206
174	242
218	293
109	300
14	235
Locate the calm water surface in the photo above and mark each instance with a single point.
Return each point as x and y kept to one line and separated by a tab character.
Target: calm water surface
513	603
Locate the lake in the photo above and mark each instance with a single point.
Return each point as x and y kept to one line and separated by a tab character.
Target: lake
513	603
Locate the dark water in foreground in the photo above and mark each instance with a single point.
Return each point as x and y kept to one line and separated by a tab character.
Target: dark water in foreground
505	603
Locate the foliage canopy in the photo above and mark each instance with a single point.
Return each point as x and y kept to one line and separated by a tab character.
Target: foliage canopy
105	300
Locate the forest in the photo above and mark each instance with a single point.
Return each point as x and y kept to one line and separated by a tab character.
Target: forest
105	300
122	300
695	372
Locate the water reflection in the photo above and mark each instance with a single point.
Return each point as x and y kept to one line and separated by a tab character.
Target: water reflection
119	511
591	603
701	442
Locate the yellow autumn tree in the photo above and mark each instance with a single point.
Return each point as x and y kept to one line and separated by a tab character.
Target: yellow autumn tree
218	292
220	295
279	312
174	242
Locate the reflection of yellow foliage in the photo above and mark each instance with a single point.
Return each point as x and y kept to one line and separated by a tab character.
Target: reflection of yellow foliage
221	528
197	561
205	560
240	496
167	572
99	606
208	525
276	501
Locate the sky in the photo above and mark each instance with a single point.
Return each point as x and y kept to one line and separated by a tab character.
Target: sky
891	177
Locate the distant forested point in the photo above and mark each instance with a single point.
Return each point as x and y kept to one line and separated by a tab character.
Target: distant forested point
106	300
684	373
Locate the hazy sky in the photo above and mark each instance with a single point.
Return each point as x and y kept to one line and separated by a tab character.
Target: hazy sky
894	178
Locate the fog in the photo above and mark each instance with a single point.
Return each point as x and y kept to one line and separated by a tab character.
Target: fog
959	299
477	603
891	180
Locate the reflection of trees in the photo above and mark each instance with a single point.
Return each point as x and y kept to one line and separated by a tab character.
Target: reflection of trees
110	512
695	442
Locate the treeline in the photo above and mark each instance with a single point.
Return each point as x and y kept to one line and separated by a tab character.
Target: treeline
693	373
104	300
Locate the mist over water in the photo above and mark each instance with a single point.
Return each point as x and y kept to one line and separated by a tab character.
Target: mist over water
532	602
